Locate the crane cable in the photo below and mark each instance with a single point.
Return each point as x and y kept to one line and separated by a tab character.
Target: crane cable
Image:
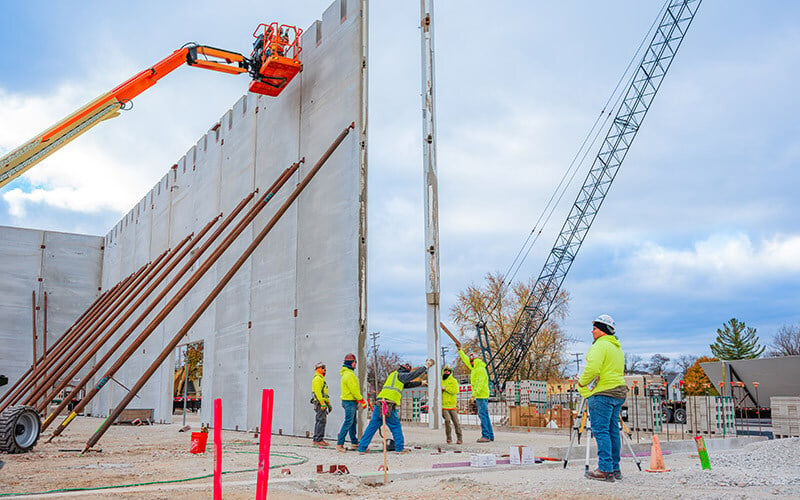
571	171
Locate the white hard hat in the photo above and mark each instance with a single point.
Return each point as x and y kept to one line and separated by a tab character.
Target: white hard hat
605	319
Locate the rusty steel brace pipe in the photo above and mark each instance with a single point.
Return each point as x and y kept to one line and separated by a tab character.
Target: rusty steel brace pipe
76	336
97	329
186	267
122	311
173	261
150	328
65	341
217	289
94	330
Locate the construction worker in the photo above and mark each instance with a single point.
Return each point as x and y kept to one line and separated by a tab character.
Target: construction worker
322	404
388	400
351	398
479	378
603	385
449	404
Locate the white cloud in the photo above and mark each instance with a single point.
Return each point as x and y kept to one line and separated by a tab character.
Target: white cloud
721	261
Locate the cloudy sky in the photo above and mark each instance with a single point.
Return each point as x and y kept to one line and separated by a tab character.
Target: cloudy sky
700	226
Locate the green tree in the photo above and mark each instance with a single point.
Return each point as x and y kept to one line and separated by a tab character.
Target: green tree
735	340
500	306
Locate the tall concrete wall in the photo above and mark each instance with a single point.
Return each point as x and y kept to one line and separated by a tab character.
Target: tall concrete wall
66	266
300	298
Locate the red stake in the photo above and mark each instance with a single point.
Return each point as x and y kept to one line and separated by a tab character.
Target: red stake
218	449
262	482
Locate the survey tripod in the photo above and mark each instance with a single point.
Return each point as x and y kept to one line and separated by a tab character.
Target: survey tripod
582	421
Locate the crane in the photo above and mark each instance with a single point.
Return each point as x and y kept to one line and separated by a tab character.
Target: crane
503	361
272	64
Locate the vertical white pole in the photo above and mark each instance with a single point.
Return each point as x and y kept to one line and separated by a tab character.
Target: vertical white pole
431	214
362	217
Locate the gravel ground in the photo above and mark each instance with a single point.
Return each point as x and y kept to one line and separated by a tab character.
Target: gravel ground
145	454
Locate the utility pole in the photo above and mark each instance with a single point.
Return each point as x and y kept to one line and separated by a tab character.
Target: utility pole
445	350
431	184
577	362
375	336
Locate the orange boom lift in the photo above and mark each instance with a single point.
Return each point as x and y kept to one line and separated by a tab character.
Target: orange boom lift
272	64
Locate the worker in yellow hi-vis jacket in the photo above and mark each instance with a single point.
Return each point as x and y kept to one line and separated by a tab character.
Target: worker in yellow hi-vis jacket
479	378
321	402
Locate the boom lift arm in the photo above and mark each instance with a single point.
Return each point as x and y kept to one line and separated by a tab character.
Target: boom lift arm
503	361
272	65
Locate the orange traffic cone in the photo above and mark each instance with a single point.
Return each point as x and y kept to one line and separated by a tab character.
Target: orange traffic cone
656	459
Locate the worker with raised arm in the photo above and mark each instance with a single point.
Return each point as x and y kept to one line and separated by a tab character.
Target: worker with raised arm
351	399
479	378
405	377
602	383
450	405
321	402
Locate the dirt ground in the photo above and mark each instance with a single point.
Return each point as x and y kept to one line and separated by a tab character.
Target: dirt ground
157	460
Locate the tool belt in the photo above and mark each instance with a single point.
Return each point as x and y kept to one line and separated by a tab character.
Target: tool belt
390	405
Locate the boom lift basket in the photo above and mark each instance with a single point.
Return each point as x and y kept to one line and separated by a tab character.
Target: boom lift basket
275	57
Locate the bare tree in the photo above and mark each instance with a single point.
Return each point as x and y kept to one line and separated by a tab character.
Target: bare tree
684	362
786	341
501	306
657	363
633	363
387	363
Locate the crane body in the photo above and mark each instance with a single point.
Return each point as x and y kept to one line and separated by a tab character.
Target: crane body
503	361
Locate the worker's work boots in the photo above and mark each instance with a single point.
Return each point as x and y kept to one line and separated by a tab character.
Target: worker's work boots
601	476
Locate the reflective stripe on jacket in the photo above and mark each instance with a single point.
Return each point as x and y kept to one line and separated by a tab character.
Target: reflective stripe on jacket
351	391
392	389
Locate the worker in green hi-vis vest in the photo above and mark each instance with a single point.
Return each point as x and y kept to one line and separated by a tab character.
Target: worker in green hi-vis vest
389	398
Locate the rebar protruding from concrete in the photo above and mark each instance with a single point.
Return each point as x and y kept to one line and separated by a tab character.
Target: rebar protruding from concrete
180	274
218	288
75	335
33	311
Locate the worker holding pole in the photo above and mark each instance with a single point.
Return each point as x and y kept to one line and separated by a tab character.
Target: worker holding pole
479	378
351	399
321	402
602	383
388	400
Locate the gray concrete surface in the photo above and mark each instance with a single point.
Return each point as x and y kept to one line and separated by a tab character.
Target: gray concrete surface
66	266
300	299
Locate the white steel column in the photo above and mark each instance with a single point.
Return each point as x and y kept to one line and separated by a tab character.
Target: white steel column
431	214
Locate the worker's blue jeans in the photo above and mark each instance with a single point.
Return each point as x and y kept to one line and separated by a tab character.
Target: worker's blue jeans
604	415
349	424
483	416
392	422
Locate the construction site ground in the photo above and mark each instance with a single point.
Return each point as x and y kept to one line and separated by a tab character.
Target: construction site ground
157	460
